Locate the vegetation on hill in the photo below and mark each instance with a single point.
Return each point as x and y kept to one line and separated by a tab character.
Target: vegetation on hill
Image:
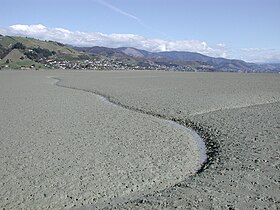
39	53
23	52
30	53
18	45
178	60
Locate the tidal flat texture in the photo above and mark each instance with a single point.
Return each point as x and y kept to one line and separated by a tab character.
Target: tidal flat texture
50	144
64	148
240	111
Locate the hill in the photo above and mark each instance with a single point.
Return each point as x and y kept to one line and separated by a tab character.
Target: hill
20	52
29	53
141	59
221	64
26	53
178	60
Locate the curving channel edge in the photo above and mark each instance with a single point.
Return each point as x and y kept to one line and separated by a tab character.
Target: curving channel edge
202	134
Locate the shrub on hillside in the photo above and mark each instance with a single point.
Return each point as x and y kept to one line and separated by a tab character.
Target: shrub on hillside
3	52
18	45
39	53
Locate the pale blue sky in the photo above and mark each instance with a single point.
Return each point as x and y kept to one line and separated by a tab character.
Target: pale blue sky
237	24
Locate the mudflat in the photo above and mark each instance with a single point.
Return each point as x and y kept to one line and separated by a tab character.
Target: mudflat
239	113
64	148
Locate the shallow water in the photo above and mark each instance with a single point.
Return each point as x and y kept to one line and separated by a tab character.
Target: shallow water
200	142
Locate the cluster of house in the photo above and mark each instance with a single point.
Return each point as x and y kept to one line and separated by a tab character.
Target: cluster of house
107	64
102	64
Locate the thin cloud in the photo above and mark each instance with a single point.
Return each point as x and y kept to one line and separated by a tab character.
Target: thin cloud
118	10
129	15
257	49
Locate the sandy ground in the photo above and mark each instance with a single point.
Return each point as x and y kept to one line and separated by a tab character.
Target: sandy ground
180	94
63	148
238	112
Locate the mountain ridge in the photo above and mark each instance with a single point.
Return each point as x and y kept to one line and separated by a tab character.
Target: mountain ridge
206	63
22	52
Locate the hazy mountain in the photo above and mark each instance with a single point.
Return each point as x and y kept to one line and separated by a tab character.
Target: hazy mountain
142	59
20	52
103	51
196	61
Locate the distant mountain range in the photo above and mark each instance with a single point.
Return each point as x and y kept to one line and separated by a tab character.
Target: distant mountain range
177	59
25	53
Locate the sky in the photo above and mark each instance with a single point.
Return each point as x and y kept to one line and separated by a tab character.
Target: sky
239	29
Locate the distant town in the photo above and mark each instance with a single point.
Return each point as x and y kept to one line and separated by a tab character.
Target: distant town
28	53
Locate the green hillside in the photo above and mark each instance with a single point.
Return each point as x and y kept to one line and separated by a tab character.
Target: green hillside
30	53
8	41
22	52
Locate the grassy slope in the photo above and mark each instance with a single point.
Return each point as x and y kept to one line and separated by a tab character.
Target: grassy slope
52	46
6	42
15	60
